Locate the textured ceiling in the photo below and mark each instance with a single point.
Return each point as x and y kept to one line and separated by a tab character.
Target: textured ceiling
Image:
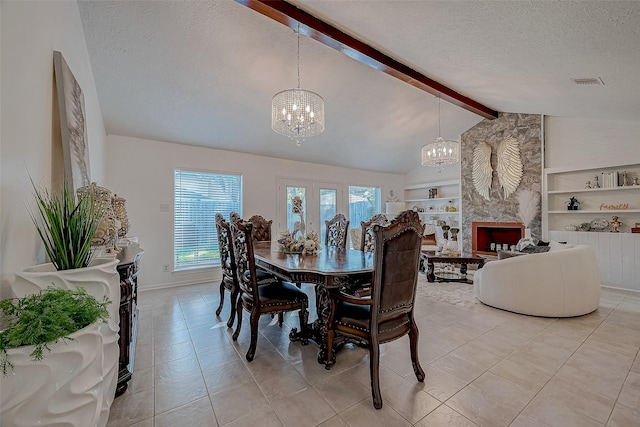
204	72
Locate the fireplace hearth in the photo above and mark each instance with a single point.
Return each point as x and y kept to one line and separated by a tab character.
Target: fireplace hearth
484	234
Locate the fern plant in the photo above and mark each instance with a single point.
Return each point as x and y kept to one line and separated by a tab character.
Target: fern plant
66	226
45	318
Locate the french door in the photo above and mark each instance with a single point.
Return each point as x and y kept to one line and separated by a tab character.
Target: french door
320	201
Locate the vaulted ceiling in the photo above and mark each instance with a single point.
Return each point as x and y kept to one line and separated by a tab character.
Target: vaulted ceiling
204	72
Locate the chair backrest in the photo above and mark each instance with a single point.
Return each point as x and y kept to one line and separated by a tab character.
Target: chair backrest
227	257
367	243
242	243
261	228
397	254
336	234
234	217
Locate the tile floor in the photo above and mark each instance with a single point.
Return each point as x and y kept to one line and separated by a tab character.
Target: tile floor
484	367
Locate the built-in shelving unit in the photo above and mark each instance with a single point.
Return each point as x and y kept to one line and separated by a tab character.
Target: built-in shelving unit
619	200
434	209
617	252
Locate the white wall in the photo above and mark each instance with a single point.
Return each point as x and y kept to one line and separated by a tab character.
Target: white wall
30	32
141	171
582	143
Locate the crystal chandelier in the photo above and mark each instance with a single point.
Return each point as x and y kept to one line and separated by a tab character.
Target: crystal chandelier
441	152
297	113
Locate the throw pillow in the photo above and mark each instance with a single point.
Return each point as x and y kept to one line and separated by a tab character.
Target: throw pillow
535	249
542	243
558	246
509	254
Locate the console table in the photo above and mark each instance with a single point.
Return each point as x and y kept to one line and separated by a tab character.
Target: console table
462	260
128	320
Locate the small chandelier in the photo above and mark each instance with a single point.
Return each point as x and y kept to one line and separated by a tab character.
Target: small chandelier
442	152
297	113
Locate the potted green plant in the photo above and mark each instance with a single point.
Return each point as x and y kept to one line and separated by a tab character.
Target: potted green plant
42	319
573	203
52	359
67	225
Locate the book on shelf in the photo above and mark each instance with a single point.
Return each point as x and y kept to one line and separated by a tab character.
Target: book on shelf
609	179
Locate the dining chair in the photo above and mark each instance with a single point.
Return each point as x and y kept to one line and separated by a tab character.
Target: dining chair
367	242
262	233
388	314
261	228
228	264
336	233
272	298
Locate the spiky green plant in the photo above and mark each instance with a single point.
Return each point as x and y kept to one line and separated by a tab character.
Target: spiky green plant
45	318
66	226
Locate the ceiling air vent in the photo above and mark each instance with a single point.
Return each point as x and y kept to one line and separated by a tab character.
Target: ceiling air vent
597	81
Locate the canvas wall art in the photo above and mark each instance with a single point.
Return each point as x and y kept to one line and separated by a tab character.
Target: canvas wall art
73	124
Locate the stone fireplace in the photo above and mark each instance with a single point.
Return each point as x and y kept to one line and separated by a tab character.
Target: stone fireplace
499	213
487	236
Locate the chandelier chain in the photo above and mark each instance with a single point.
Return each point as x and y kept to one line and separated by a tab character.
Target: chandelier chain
298	55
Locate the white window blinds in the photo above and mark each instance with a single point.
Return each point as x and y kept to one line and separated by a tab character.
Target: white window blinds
198	196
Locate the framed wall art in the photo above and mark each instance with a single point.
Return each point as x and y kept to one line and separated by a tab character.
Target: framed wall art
73	126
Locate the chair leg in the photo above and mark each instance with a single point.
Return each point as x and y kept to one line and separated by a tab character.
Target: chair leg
253	319
413	343
303	315
239	322
374	368
232	315
280	319
219	310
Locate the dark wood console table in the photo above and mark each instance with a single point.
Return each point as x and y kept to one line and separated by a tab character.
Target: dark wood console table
128	320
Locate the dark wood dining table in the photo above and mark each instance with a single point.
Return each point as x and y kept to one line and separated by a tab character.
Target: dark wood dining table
330	268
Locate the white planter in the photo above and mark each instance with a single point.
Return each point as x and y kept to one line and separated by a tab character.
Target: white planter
100	279
65	388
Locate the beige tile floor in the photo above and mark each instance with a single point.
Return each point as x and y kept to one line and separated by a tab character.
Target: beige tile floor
484	367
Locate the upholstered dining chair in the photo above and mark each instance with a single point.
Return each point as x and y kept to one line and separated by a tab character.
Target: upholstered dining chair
388	314
336	233
228	265
272	298
261	228
367	242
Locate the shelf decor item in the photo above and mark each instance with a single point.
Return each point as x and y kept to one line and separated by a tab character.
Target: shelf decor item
615	224
573	203
599	224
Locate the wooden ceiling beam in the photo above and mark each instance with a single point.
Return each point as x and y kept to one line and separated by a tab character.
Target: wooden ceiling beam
290	15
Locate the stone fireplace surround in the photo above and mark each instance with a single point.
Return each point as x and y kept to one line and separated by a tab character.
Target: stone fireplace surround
527	129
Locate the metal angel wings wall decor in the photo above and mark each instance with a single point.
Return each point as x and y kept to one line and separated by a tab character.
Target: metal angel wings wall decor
509	167
482	171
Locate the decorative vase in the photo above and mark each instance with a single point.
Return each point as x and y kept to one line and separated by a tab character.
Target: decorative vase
99	279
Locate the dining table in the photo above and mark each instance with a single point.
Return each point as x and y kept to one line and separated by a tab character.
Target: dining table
329	269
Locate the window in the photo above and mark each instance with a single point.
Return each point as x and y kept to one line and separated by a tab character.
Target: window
364	202
198	196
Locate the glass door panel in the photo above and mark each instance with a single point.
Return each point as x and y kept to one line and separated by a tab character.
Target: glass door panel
328	209
293	218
